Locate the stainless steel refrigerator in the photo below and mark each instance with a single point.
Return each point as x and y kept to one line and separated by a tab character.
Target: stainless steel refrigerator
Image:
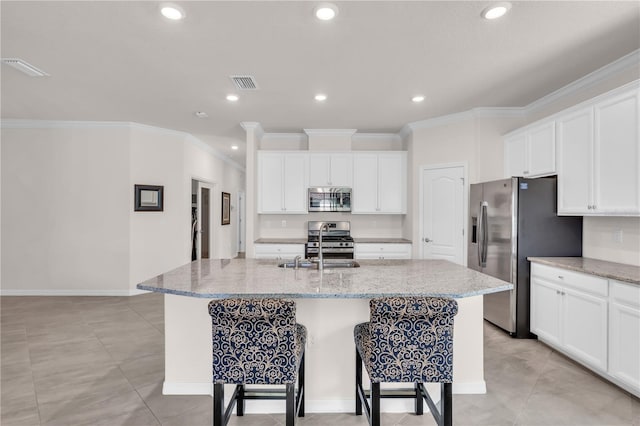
510	220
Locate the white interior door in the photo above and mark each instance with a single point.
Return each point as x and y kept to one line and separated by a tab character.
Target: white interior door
442	213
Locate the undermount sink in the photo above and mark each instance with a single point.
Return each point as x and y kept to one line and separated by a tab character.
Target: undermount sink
328	264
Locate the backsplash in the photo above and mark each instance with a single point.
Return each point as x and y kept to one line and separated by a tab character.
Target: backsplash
615	239
362	226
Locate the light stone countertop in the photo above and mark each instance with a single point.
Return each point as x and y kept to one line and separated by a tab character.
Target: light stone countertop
602	268
280	241
228	278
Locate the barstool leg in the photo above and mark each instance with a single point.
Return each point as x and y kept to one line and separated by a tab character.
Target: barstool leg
218	405
375	404
240	400
358	383
419	406
291	404
301	389
446	405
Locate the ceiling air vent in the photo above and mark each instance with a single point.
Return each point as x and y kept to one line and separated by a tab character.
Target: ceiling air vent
244	82
25	67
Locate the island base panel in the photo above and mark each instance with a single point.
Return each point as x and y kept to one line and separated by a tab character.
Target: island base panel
329	355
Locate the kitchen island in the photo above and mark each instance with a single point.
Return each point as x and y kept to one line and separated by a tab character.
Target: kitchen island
329	304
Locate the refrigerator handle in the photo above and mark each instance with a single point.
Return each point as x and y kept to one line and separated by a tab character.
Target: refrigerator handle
482	237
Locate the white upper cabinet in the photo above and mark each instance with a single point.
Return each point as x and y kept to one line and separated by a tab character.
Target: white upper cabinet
598	151
282	182
575	149
330	169
616	155
531	151
379	183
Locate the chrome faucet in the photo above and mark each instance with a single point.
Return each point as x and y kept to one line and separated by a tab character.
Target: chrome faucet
296	262
323	226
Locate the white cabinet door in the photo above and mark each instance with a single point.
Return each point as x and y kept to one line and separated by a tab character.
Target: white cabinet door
624	334
282	183
330	169
616	155
365	183
392	183
545	312
515	155
574	147
585	327
270	183
341	170
319	169
295	183
531	152
379	183
541	151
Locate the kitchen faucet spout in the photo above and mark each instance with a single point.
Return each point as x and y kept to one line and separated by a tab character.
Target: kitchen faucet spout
323	226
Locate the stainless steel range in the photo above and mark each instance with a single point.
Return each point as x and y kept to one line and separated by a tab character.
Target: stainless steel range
337	242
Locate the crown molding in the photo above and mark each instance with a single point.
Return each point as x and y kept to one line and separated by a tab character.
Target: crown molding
628	61
61	124
345	132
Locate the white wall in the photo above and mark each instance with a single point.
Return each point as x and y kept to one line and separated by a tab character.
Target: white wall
68	222
65	210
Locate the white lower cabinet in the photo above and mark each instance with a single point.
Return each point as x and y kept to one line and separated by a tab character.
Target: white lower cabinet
382	251
590	319
569	309
624	333
278	251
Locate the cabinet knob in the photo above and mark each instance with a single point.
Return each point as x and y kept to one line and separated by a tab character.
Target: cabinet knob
561	277
526	172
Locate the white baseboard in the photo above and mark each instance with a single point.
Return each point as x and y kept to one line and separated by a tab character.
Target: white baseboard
318	406
70	292
470	388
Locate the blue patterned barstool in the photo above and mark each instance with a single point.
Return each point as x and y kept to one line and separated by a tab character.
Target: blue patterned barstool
257	341
407	340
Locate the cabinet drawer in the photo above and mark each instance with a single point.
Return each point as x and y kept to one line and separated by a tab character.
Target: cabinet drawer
564	277
383	248
626	294
278	251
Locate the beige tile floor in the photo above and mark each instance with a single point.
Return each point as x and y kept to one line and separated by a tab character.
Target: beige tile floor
99	361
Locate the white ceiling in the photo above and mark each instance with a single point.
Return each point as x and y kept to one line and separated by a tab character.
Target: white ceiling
122	61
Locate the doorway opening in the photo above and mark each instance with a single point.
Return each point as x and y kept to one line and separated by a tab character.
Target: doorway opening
201	224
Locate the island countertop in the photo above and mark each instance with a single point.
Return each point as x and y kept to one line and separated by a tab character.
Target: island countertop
226	278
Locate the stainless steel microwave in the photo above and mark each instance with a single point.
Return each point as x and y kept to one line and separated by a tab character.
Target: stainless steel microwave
329	199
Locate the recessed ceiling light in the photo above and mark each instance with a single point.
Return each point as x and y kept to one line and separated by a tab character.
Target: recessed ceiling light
234	147
326	11
172	11
417	98
201	114
496	10
232	98
320	97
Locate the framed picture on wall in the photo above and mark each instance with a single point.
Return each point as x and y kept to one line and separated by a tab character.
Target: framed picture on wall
148	198
226	208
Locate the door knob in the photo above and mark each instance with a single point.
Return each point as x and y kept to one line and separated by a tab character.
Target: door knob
427	240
